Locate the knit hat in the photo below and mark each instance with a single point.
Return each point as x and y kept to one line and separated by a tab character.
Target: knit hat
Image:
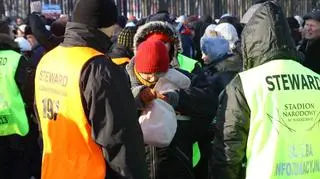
95	13
125	37
210	31
58	27
315	15
228	32
152	57
215	48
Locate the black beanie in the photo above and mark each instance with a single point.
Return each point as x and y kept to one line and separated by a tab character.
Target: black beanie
95	13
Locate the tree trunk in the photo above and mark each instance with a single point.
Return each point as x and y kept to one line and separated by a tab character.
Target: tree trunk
163	5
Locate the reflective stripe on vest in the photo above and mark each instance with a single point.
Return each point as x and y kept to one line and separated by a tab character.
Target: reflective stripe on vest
187	63
69	150
283	141
13	118
120	61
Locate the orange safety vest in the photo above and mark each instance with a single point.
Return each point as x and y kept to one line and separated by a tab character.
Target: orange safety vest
69	151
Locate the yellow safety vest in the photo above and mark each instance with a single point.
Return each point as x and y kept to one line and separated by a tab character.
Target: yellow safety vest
284	100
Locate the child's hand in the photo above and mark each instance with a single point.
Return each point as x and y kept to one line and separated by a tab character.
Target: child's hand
147	95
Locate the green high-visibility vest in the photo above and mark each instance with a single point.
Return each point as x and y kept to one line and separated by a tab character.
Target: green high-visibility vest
283	140
187	63
196	154
13	118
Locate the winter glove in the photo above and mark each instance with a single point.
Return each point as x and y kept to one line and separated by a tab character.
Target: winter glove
171	97
147	95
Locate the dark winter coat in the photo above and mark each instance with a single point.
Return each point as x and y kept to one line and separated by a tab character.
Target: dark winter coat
259	45
120	51
221	73
311	50
109	106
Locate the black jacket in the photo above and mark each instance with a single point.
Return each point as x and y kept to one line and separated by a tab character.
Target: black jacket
120	51
221	73
266	37
109	106
310	48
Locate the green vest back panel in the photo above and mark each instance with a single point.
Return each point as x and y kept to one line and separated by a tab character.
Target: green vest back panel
186	63
13	118
283	141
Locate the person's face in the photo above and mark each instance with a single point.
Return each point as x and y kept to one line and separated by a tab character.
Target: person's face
205	59
32	40
151	77
19	21
312	29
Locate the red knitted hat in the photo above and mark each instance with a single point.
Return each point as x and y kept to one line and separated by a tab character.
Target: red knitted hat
152	56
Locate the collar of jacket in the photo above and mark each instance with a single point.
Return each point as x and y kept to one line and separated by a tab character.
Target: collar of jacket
7	43
78	34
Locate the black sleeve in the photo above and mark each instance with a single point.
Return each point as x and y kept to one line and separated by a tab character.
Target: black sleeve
198	102
24	78
232	128
44	37
110	109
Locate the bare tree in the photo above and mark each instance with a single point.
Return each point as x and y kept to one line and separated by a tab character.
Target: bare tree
163	4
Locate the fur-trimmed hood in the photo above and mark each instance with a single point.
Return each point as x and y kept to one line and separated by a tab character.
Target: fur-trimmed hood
162	27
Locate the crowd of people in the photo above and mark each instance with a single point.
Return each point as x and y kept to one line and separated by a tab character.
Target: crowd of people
80	96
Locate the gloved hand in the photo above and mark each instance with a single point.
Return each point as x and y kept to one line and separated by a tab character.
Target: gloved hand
171	97
147	95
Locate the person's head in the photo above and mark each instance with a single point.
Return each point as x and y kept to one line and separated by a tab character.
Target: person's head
312	25
151	60
19	21
233	21
98	14
210	31
58	27
295	29
162	31
125	37
249	13
214	49
228	32
31	38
